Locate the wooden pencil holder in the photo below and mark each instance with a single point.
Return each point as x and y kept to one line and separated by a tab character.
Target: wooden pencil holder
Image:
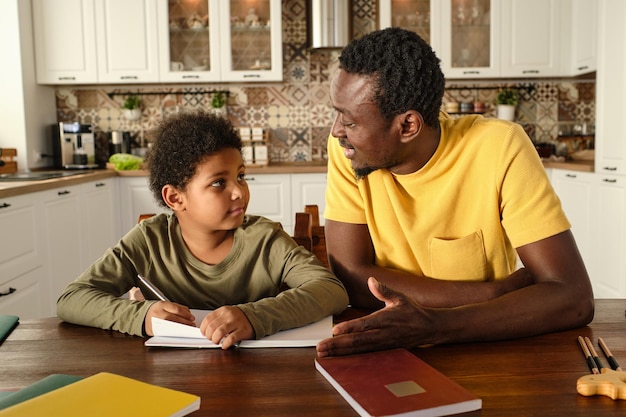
608	382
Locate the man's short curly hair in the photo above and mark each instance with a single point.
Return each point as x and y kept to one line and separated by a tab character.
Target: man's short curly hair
405	69
182	142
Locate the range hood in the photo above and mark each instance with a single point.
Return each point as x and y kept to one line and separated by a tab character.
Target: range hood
329	23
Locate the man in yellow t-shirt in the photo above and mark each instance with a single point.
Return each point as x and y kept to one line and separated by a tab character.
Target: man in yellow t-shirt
426	215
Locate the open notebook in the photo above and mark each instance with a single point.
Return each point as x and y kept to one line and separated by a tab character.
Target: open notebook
171	334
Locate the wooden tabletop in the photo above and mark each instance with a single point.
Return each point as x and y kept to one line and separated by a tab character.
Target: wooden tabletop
528	377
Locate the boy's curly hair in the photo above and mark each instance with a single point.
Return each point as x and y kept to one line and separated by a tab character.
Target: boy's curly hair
405	70
182	141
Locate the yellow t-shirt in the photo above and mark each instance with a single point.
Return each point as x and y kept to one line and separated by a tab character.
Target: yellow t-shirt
483	193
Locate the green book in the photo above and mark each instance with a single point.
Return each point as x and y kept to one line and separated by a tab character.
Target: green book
47	384
7	324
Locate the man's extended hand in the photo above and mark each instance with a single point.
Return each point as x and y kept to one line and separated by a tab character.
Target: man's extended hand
400	323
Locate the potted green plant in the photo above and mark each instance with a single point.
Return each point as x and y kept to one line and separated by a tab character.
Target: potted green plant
132	111
218	103
506	102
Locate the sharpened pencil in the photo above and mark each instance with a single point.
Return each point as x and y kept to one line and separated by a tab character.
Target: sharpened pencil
609	356
594	354
593	367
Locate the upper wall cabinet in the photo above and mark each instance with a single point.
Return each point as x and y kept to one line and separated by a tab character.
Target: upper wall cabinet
147	41
420	16
580	26
126	41
470	38
189	34
252	40
65	39
530	35
502	38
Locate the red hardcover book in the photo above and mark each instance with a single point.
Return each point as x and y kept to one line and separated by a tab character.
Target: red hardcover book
395	383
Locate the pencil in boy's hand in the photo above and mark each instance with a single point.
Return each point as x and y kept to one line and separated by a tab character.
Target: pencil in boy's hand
594	354
609	356
593	367
152	288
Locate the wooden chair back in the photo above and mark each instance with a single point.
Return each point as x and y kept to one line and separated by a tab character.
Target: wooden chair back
309	233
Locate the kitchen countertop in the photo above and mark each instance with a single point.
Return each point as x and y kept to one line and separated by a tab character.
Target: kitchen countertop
10	189
14	188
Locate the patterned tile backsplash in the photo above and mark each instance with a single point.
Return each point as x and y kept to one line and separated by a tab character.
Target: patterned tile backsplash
297	112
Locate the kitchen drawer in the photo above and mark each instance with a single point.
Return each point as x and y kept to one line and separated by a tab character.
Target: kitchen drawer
25	296
20	238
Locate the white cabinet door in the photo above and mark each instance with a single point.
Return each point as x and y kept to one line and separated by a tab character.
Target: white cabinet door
470	38
610	144
579	39
126	41
251	51
530	32
308	189
23	282
135	198
63	237
189	54
421	17
609	237
65	41
576	192
100	219
270	197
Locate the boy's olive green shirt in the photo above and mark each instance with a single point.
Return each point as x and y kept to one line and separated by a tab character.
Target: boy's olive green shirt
262	260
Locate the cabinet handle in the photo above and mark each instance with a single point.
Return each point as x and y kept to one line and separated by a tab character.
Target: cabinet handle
570	175
191	76
249	178
100	184
610	168
67	78
64	192
128	77
5	205
584	67
530	72
609	180
10	291
252	76
471	72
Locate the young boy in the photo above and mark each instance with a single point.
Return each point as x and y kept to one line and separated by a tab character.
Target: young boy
207	254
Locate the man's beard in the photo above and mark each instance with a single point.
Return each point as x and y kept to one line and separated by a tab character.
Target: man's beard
361	173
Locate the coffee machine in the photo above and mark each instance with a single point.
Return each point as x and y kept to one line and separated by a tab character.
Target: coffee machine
74	146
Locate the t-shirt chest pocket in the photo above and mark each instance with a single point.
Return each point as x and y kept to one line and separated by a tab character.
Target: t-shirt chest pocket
460	259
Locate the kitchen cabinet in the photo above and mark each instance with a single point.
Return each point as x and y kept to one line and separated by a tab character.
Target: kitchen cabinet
610	144
23	282
270	197
126	41
99	219
252	47
189	40
608	236
275	196
135	198
579	36
95	41
63	237
595	205
65	41
421	17
307	189
575	190
530	35
470	38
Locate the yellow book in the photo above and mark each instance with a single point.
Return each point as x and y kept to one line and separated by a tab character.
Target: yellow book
107	394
